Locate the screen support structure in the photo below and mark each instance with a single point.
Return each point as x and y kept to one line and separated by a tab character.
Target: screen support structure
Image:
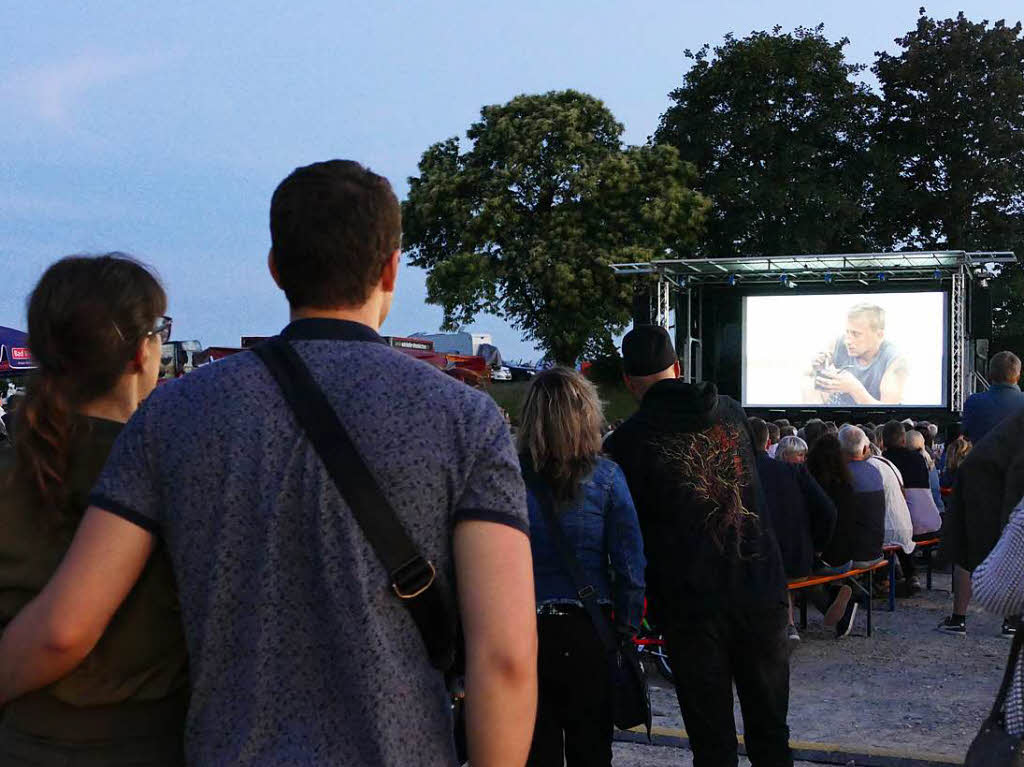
960	376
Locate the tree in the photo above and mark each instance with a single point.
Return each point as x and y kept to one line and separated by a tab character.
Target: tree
952	130
527	220
779	133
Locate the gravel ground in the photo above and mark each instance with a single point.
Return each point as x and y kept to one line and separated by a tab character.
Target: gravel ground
908	687
633	755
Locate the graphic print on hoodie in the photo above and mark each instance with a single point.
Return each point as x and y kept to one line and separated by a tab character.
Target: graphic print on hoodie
689	460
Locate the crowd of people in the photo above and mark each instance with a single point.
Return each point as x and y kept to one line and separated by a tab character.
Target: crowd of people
185	578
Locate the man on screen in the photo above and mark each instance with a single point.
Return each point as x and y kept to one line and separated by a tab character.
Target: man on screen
862	368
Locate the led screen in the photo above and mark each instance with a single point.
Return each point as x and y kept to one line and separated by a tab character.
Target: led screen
845	350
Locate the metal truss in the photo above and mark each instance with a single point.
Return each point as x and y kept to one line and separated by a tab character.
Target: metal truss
958	371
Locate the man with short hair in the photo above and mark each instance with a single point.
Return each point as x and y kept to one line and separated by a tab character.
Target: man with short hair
986	409
862	367
869	491
924	515
899	527
715	582
301	651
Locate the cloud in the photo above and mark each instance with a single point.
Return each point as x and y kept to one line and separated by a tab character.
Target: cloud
53	91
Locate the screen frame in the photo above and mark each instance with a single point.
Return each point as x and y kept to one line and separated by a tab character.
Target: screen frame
946	356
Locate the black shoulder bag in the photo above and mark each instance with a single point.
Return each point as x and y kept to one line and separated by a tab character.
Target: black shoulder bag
413	578
630	695
993	746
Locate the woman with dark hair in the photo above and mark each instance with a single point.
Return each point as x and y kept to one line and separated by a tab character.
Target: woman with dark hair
560	449
826	464
96	326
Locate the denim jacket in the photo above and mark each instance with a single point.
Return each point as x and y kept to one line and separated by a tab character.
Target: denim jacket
602	527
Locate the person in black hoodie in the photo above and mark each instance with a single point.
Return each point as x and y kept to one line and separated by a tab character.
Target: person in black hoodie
715	579
802	514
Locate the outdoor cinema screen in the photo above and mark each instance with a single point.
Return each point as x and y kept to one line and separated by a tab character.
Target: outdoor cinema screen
845	350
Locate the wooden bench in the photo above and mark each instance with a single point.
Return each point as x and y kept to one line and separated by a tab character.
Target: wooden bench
818	580
890	554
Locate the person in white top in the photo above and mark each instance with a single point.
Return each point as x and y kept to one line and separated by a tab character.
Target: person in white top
899	528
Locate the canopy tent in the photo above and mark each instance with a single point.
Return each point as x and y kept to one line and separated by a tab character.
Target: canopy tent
14	351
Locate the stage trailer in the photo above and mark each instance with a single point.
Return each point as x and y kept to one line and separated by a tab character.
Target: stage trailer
783	335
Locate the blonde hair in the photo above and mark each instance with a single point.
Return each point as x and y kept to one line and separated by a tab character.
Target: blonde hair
956	451
560	429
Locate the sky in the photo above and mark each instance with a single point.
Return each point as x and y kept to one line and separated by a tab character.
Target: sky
161	129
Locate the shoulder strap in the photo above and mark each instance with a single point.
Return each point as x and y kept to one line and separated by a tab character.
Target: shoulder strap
584	591
413	578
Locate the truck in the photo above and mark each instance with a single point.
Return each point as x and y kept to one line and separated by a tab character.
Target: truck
462	343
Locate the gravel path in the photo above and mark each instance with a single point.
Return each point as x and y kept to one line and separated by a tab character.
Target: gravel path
909	687
633	755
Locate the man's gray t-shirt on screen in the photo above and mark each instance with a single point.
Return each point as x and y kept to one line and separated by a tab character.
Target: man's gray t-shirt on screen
300	653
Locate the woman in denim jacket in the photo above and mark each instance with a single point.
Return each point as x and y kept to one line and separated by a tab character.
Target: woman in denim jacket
559	446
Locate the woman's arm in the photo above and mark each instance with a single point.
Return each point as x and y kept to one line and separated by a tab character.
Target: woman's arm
998	583
625	546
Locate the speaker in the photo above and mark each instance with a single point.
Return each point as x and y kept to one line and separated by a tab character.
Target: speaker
981	311
642	303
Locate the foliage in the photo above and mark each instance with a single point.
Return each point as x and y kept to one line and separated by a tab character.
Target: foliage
526	221
952	132
779	133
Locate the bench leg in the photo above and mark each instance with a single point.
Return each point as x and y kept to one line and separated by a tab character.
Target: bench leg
892	581
803	609
928	566
871	592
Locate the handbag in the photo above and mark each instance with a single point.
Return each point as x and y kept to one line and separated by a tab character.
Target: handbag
993	746
413	578
630	695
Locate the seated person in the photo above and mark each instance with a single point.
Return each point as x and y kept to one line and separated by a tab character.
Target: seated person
917	442
842	463
801	513
773	437
791	450
913	466
814	430
868	496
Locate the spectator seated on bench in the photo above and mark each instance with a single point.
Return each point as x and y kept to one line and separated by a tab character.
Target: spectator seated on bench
839	465
924	514
798	509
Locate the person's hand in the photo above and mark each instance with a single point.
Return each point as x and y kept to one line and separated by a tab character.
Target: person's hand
838	381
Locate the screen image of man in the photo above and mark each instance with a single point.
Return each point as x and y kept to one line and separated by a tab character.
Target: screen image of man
862	367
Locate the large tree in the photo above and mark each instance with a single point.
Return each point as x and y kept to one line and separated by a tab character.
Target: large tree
952	133
525	222
952	137
778	128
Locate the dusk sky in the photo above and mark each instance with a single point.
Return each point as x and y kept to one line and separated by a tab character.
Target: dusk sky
161	129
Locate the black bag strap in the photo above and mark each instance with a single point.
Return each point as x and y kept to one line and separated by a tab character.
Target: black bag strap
584	591
1011	667
413	578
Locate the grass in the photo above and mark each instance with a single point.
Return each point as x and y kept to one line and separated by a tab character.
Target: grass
617	401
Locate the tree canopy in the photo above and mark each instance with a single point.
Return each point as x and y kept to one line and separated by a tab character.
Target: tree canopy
952	134
779	133
525	222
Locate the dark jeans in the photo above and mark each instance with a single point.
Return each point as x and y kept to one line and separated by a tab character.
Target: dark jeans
707	655
574	714
21	748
